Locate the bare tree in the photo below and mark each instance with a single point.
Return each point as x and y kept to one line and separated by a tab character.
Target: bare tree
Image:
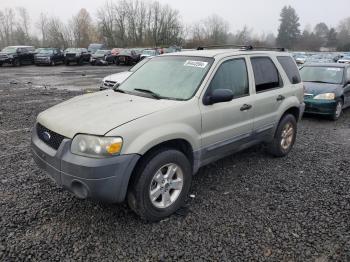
82	28
42	25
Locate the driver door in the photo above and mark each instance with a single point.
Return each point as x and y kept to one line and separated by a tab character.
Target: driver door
227	126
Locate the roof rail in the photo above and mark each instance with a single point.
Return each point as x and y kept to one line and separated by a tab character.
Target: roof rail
242	47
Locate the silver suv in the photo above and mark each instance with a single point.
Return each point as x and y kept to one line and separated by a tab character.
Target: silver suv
143	141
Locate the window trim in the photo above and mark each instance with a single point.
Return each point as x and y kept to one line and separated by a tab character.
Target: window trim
278	71
216	70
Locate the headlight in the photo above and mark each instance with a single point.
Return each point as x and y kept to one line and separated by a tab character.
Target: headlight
96	146
326	96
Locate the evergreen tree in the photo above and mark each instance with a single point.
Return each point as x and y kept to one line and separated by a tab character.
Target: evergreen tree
288	32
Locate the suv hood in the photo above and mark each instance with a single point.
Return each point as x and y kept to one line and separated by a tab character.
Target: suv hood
320	88
98	113
118	77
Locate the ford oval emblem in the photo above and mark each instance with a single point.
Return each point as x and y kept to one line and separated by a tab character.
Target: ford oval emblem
46	136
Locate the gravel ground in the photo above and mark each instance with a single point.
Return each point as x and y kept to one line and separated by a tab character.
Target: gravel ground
249	206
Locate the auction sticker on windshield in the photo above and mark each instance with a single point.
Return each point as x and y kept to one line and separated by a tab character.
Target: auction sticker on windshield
199	64
333	69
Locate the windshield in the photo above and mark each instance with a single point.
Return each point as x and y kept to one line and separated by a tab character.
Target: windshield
45	51
73	50
172	77
332	75
149	52
9	50
125	52
101	52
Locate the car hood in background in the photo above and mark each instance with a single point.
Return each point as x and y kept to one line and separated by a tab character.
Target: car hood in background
321	88
118	77
99	113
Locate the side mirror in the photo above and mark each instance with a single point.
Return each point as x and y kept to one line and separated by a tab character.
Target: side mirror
218	96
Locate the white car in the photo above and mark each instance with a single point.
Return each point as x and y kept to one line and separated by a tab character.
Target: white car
149	53
344	60
110	81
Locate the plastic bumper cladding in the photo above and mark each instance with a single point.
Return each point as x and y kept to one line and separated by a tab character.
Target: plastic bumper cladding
104	179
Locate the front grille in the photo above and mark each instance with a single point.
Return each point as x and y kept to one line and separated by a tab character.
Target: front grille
109	84
308	96
3	56
70	55
49	137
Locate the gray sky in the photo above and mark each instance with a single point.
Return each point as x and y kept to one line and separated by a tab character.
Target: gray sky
261	15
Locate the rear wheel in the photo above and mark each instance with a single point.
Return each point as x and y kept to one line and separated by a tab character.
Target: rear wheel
160	185
285	137
16	62
338	111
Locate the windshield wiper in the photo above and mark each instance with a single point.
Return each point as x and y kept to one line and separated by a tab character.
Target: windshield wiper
155	95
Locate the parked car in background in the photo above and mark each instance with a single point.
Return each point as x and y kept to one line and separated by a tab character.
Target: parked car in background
149	53
127	57
92	48
116	79
76	55
300	59
49	56
17	55
327	88
102	57
143	141
344	60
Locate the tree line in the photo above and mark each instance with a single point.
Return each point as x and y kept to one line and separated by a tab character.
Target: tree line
137	23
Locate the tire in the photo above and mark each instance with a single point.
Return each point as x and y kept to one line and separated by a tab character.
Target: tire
338	111
0	64
16	63
284	138
81	61
66	63
149	176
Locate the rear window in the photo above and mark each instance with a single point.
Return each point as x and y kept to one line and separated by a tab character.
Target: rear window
265	74
290	68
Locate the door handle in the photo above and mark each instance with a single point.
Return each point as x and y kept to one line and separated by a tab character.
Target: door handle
280	98
245	107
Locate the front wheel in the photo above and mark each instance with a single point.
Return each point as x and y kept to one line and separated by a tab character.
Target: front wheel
338	111
160	185
284	138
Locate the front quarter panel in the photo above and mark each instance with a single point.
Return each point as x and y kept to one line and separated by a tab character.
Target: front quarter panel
181	121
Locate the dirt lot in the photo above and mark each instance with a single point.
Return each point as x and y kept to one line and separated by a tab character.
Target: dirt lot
249	206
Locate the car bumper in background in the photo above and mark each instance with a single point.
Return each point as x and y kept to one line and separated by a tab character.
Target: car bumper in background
322	107
104	179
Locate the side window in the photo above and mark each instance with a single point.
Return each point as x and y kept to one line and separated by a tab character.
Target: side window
232	75
290	68
266	74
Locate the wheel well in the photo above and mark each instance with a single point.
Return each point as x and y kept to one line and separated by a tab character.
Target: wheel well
293	111
180	144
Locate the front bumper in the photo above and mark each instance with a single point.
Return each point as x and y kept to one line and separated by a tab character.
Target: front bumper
321	107
6	60
42	61
104	179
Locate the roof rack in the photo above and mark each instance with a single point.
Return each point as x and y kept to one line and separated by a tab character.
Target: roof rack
242	47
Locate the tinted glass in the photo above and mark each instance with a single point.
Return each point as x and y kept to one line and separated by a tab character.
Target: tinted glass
265	73
322	74
232	75
169	76
290	68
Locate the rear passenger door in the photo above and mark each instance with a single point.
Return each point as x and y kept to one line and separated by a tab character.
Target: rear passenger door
227	125
268	94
